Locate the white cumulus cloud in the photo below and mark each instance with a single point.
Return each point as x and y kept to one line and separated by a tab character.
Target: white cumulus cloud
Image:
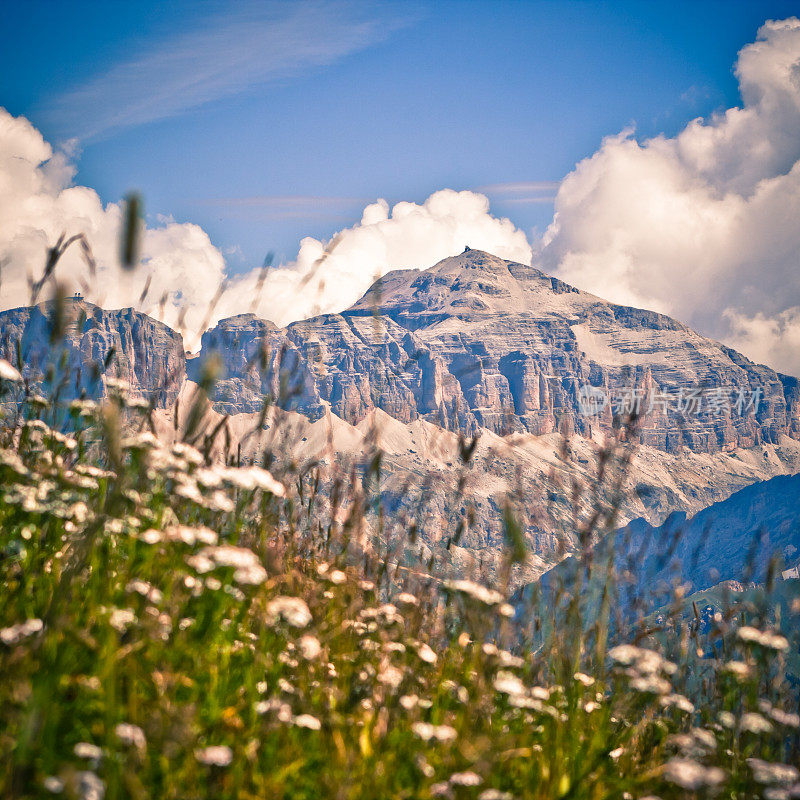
38	203
183	269
329	276
704	226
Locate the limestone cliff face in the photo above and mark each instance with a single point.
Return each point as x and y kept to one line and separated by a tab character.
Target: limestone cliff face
473	343
479	342
97	345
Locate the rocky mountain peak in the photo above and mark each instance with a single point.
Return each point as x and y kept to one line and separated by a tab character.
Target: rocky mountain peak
475	342
470	284
479	342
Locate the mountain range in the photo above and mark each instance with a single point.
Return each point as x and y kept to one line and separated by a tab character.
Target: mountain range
474	346
732	542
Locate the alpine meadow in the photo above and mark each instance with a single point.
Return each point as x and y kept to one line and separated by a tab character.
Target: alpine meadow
490	490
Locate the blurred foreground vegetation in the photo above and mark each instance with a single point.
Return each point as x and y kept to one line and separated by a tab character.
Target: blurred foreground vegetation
176	628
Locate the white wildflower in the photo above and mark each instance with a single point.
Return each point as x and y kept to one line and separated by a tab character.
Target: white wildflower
87	750
409	701
495	794
151	536
20	631
188	490
228	555
251	575
691	775
291	610
307	721
9	372
210	478
146	590
782	792
738	669
89	786
53	784
249	478
755	723
219	501
647	662
282	710
677	701
94	472
387	614
790	720
117	384
188	453
425	653
506	610
726	719
650	684
426	731
508	683
704	739
131	735
767	639
766	772
140	441
218	755
200	563
390	676
489	597
582	677
10	459
506	659
467	778
190	535
121	618
337	577
310	648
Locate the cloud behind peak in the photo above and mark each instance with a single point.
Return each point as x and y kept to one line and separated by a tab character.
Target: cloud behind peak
704	225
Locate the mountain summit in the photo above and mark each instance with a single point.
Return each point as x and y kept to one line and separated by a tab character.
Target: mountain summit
475	344
480	342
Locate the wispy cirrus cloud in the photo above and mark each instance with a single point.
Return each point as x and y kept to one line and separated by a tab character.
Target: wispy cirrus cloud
230	50
290	206
543	192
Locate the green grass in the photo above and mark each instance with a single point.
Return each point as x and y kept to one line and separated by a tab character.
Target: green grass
143	657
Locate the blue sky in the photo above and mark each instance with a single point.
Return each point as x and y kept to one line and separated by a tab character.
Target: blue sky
267	122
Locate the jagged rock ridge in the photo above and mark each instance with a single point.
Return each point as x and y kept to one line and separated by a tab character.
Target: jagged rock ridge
474	344
96	345
478	342
735	539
